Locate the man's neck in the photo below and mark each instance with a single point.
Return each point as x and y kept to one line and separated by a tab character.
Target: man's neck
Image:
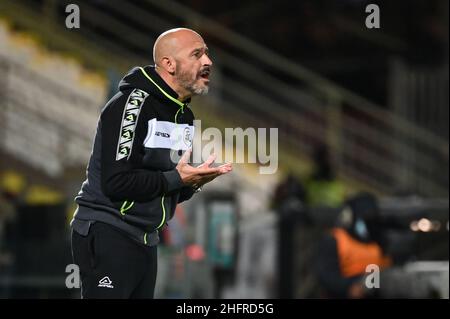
169	79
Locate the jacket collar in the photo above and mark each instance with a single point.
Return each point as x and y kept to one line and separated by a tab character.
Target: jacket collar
155	79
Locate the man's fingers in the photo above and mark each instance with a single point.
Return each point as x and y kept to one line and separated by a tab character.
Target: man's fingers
225	168
208	170
185	158
209	161
221	170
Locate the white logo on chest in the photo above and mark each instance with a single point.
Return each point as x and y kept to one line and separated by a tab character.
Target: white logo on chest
164	134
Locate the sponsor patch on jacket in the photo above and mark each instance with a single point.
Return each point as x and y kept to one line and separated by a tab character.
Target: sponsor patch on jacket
164	134
129	120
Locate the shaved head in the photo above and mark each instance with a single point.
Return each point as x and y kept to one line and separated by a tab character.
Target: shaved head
172	41
181	58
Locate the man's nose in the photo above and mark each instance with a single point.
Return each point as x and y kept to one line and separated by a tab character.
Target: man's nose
207	60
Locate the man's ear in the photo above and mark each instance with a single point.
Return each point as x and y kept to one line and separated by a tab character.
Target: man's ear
168	63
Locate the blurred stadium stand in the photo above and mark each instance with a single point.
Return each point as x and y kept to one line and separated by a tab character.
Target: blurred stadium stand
371	146
56	80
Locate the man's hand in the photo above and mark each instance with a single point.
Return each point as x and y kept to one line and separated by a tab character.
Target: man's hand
225	168
199	176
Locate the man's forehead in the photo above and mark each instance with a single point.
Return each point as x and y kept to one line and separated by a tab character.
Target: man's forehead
198	45
192	41
189	47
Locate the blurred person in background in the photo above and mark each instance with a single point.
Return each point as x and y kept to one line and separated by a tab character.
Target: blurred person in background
323	188
355	243
289	188
133	179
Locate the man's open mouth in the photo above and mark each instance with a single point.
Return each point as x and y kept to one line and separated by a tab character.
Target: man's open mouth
205	74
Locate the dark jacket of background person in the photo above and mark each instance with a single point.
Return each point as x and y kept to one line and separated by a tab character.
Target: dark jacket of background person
346	251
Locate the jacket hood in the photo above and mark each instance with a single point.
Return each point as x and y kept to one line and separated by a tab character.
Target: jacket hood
147	79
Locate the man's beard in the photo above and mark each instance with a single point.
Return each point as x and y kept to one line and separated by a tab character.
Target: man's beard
185	80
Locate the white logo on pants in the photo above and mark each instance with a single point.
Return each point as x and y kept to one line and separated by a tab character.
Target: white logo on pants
105	282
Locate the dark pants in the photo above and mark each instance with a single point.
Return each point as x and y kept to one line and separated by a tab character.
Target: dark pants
112	265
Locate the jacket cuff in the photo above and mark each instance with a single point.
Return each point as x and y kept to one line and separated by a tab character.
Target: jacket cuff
173	179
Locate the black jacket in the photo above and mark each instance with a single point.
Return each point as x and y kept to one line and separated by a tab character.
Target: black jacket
132	182
333	284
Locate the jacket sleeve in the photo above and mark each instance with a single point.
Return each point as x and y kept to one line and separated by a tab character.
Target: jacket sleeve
123	129
186	193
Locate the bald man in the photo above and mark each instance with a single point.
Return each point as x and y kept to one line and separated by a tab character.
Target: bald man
139	169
